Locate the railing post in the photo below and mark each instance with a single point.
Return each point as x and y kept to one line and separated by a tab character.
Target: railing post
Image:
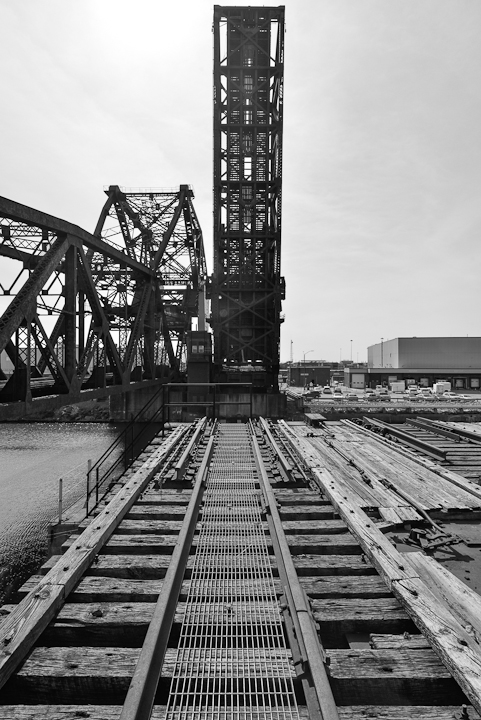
213	404
96	486
60	499
168	405
163	411
89	470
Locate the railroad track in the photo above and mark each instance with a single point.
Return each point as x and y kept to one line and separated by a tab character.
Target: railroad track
220	582
450	444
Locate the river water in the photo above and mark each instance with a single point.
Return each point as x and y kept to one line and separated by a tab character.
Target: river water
33	457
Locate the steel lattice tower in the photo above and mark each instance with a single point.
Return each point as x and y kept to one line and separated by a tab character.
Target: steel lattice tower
246	287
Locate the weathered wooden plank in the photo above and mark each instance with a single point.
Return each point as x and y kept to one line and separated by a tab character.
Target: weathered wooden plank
366	609
91	675
146	526
399	515
155	566
299	496
306	512
134	544
316	565
323	544
456	645
148	567
112	712
164	544
405	641
125	623
108	589
391	515
367	586
23	626
343	616
323	527
161	511
114	589
410	712
403	677
464	603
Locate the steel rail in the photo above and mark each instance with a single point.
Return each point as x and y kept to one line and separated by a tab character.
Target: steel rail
460	432
143	686
409	439
180	466
423	425
285	464
280	438
313	654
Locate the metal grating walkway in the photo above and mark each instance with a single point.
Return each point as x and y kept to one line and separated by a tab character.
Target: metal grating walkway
232	661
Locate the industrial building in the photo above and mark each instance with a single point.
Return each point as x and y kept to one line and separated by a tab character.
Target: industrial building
421	361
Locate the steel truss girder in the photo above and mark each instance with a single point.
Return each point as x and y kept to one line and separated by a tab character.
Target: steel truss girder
248	116
62	269
161	229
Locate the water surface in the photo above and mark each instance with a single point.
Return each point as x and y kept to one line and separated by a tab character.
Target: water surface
33	456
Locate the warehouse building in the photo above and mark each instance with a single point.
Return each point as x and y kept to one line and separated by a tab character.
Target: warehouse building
421	361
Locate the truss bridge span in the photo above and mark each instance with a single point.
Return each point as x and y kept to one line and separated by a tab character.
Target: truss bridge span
88	315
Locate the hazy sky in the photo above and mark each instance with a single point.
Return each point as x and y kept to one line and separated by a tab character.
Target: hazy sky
382	151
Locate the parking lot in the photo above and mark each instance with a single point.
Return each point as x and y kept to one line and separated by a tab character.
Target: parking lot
342	394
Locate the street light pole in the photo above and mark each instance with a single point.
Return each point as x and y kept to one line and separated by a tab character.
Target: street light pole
382	352
304	362
351	350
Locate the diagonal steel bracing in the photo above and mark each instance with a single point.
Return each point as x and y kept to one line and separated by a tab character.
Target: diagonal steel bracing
81	310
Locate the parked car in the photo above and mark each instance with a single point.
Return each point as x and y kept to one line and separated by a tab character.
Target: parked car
384	396
449	395
338	393
351	396
426	394
326	390
369	393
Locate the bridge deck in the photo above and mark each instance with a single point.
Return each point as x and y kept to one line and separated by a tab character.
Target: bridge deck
266	517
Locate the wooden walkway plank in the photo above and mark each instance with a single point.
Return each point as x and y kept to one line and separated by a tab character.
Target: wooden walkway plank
114	589
464	603
112	712
103	674
362	676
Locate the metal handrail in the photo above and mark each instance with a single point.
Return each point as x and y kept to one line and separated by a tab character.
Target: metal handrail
130	452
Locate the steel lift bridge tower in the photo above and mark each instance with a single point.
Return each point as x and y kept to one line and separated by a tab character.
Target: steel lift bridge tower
246	288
